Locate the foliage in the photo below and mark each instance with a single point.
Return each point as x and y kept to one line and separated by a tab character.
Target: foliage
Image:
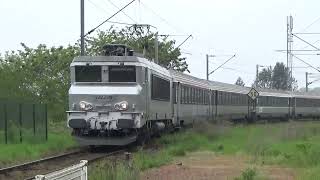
248	174
276	78
264	78
293	144
13	153
240	82
42	74
139	39
115	170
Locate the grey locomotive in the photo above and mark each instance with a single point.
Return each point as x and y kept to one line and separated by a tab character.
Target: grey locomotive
111	99
120	97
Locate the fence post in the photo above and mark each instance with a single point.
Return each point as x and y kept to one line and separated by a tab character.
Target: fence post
20	121
5	123
34	118
46	120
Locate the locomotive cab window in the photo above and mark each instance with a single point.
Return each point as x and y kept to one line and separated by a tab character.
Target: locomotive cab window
122	74
88	73
160	89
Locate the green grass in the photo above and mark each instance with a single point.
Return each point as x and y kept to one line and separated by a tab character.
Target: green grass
59	140
294	144
115	170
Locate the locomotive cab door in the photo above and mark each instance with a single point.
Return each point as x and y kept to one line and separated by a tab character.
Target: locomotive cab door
147	92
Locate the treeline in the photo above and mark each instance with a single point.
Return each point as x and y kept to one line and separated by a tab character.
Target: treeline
276	77
41	74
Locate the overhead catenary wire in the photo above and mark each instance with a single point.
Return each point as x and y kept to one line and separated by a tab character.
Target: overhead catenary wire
121	11
98	7
306	63
222	64
306	42
313	22
92	30
160	17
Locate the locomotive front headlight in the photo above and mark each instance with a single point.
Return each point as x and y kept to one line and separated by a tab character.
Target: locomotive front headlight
85	106
121	106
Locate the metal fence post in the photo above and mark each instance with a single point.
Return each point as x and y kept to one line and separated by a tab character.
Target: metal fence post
34	118
5	123
20	121
46	120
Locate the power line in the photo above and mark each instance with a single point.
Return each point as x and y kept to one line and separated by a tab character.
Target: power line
123	23
306	42
311	24
236	70
92	30
222	64
161	18
98	7
181	35
306	63
184	41
121	11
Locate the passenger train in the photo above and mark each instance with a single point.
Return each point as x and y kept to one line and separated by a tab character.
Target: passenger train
121	97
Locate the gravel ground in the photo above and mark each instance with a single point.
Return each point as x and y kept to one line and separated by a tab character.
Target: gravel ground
207	165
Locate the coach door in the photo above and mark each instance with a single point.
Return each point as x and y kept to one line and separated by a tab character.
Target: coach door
147	91
175	102
212	104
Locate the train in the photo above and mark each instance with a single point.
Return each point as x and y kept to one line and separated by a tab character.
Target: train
120	97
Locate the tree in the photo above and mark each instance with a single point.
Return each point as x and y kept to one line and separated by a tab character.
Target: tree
239	82
264	78
276	78
42	73
139	39
281	79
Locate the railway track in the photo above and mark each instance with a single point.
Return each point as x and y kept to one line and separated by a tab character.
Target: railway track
29	170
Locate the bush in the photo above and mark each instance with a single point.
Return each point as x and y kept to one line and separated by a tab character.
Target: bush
248	174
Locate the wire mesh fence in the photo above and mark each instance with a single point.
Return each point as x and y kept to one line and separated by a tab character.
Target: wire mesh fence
23	122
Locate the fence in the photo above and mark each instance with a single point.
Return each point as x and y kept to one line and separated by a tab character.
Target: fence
23	122
75	172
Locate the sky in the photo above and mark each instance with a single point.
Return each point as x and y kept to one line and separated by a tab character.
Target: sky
251	29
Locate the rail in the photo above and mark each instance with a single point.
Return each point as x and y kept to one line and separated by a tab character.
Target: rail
29	170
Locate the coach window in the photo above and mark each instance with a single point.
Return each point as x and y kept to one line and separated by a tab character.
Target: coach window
194	95
182	94
174	92
160	89
122	74
190	95
202	96
88	73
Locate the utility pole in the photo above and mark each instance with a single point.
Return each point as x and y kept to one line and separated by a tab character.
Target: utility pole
207	58
82	27
307	83
289	48
156	49
257	75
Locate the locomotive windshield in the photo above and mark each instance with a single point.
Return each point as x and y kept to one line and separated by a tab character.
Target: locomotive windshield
122	74
88	73
97	73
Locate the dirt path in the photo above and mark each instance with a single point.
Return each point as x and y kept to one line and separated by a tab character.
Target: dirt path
207	165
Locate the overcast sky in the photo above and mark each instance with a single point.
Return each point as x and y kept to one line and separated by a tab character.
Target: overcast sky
253	29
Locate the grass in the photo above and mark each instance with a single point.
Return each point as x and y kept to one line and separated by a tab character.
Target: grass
113	171
294	144
59	139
